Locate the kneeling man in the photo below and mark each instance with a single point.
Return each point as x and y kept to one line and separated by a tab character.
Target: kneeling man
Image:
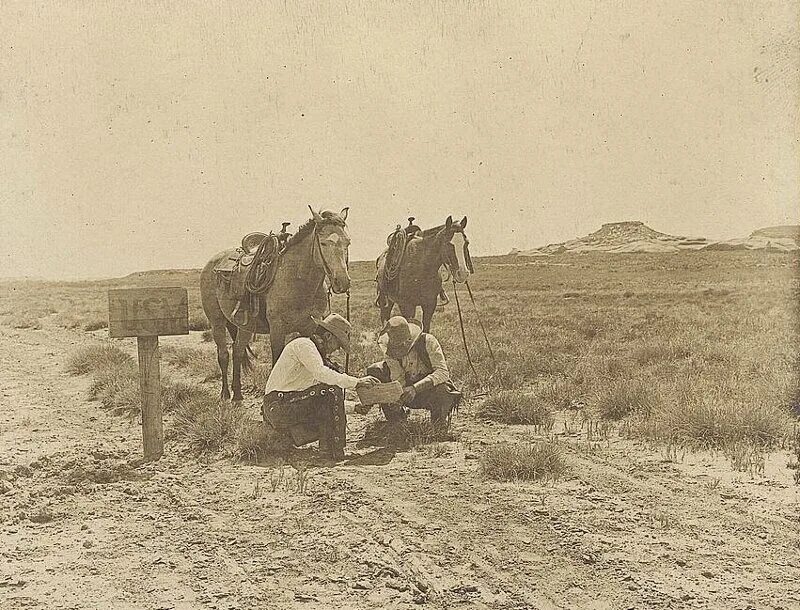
304	396
416	360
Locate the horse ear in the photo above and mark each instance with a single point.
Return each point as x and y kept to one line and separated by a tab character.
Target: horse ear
449	222
315	215
463	222
344	212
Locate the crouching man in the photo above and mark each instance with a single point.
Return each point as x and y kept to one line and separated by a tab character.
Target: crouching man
304	395
416	360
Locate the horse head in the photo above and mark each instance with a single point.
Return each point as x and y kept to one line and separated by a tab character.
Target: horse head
455	249
331	247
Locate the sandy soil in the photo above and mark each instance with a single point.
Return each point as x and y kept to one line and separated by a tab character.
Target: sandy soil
80	527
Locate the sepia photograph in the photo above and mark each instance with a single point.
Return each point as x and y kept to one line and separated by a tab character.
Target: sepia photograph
399	304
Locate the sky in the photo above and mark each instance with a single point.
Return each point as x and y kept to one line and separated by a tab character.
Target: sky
141	135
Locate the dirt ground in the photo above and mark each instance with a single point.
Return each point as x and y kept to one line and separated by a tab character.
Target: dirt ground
80	527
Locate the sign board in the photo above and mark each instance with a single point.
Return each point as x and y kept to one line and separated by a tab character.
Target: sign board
380	394
147	312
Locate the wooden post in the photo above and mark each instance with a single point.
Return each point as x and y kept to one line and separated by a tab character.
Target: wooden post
150	383
146	313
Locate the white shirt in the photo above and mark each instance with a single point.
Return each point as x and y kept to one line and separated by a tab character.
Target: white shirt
300	366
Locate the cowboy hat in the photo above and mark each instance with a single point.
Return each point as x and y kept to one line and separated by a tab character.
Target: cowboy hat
338	327
402	335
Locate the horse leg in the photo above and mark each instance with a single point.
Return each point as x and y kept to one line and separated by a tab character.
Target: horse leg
386	310
241	359
220	335
277	339
408	311
427	315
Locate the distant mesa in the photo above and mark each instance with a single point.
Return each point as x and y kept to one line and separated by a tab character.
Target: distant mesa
159	273
634	236
780	232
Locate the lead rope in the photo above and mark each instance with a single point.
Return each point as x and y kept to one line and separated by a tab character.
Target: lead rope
483	328
463	334
347	354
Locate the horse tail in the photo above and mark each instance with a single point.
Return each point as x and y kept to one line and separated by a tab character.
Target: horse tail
248	354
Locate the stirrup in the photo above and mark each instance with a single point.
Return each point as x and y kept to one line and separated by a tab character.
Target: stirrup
240	315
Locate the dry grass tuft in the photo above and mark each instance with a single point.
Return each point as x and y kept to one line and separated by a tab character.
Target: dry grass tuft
24	321
196	363
515	407
117	388
713	421
617	399
542	461
256	442
417	431
208	424
176	395
95	358
95	324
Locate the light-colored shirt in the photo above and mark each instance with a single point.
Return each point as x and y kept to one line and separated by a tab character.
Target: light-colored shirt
300	366
410	367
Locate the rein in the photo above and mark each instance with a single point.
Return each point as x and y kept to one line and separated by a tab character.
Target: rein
316	247
463	334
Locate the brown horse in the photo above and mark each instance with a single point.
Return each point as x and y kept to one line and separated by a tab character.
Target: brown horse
418	282
317	252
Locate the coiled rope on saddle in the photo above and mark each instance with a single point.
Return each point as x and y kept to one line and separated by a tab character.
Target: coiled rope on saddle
262	271
394	255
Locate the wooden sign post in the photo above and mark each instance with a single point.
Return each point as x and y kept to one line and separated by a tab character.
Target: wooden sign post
146	313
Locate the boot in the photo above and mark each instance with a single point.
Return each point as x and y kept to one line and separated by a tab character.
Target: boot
395	413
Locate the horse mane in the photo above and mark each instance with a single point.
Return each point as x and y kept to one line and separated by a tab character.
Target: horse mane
432	232
307	227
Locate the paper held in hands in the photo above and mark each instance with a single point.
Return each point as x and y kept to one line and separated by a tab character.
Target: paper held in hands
380	394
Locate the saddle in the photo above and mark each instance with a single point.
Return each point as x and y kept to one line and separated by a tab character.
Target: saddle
248	273
394	255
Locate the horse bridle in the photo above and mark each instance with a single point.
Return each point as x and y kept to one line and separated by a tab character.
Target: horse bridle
317	248
467	258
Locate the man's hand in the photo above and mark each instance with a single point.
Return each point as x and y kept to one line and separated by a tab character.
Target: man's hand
362	409
367	382
408	395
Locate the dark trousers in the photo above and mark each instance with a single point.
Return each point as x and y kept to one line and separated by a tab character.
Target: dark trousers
314	414
441	400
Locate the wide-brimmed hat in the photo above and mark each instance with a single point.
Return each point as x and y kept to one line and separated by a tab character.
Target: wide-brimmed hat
402	335
338	327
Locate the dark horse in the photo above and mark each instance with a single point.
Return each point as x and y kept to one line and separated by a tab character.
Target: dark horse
317	252
418	282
